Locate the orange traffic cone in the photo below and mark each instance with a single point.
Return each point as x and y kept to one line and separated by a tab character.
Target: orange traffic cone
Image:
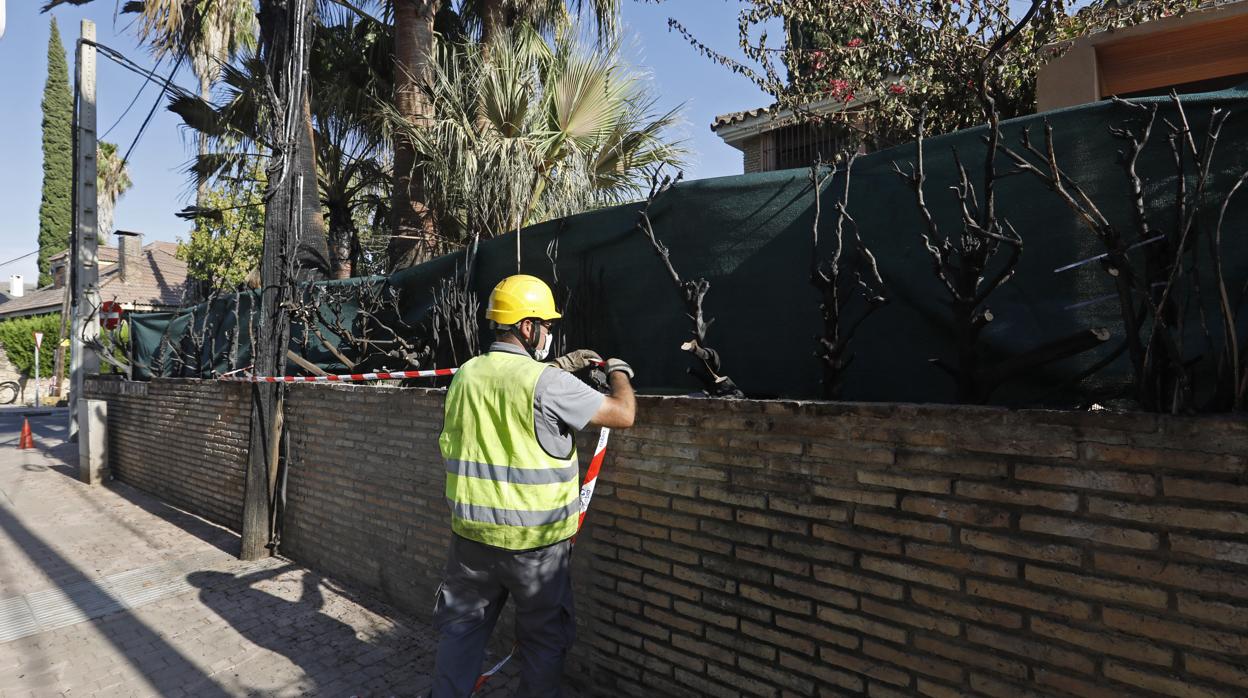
28	439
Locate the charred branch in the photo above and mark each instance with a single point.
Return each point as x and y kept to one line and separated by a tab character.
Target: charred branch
1154	271
707	368
839	325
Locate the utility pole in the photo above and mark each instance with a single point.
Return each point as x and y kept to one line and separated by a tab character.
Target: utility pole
38	342
284	47
84	272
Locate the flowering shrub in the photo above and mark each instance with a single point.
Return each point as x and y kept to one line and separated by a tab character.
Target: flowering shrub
901	58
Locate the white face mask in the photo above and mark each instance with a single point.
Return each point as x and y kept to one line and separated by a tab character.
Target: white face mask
542	352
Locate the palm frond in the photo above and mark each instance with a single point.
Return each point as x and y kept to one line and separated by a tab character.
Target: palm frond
529	130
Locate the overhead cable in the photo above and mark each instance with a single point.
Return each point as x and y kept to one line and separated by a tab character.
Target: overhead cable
18	259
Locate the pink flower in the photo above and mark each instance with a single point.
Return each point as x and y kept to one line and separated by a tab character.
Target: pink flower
854	42
839	88
897	88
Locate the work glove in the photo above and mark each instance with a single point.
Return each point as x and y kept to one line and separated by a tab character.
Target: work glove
614	365
574	361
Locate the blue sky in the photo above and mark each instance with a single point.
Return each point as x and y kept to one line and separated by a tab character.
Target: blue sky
680	75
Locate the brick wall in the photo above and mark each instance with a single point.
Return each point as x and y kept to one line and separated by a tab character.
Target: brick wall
364	494
752	155
783	548
182	440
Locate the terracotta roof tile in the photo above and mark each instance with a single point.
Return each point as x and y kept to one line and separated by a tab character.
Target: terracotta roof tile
737	117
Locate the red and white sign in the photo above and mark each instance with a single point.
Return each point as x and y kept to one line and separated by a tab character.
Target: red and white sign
110	315
38	339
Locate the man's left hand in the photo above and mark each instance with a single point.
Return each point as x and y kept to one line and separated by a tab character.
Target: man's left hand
574	361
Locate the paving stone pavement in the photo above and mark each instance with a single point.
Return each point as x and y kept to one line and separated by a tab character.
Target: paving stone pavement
106	591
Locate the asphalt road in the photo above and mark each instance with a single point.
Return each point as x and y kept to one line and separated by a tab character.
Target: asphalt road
47	423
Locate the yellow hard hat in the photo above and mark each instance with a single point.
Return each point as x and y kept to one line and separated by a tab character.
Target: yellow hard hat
521	296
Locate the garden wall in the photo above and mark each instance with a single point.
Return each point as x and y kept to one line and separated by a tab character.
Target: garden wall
786	548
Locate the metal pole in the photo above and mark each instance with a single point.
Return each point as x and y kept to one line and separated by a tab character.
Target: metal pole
85	299
36	373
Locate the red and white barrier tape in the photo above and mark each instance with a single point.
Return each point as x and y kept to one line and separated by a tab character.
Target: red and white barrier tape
343	377
591	476
493	670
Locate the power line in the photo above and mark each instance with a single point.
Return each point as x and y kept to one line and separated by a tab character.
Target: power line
129	64
197	25
18	259
133	101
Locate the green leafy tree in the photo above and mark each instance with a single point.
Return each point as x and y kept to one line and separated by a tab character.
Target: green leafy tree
226	245
55	206
17	337
876	66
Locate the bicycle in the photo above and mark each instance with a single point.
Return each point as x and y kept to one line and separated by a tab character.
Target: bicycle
9	390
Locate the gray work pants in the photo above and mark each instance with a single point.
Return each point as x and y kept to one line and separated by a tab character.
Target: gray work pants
478	580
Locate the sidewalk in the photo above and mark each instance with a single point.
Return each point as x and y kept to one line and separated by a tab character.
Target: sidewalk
106	591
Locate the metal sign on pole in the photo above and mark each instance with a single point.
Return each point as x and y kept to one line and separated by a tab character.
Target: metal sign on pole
85	233
110	315
38	343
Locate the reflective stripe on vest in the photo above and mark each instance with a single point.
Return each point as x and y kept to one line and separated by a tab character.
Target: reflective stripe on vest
502	487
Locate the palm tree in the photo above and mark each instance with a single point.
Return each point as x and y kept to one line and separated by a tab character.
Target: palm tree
415	237
533	132
112	179
493	18
212	32
413	54
350	75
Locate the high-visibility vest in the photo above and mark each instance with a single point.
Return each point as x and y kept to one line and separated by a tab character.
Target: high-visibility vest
503	488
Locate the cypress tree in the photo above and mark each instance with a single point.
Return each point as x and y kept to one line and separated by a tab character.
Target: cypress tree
55	206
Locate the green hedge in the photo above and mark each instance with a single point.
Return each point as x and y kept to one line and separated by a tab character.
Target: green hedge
17	337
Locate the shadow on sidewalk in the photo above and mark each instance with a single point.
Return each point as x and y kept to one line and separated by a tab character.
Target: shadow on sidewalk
161	664
334	659
217	536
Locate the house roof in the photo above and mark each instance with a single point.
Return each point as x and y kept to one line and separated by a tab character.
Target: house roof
37	302
27	288
110	254
738	117
160	283
737	126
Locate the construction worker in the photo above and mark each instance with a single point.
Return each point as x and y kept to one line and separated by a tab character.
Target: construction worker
512	482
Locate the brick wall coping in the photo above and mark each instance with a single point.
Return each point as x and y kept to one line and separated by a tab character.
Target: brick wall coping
990	416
